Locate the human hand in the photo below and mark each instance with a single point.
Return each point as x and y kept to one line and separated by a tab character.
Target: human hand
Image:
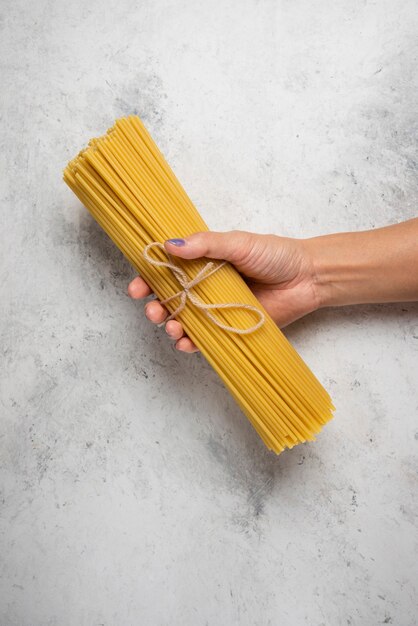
278	270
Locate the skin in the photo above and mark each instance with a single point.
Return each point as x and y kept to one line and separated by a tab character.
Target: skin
293	277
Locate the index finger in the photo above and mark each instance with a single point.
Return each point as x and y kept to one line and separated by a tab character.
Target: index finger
138	288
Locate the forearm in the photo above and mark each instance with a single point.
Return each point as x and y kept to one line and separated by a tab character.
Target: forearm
364	267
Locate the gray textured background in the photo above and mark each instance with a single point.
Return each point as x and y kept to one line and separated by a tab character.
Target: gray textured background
133	490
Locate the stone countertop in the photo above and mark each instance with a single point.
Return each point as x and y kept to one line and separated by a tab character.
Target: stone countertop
134	492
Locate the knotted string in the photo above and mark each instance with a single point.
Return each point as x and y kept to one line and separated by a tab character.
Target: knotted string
187	293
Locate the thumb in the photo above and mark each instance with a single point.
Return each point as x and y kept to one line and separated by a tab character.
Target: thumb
230	246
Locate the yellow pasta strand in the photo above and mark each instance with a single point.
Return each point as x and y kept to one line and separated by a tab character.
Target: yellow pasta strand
127	185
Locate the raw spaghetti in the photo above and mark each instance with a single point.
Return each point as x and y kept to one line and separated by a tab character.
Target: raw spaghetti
126	184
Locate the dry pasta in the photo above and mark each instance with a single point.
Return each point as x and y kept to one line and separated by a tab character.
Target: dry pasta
124	181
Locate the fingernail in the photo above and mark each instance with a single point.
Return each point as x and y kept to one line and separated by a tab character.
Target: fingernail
177	242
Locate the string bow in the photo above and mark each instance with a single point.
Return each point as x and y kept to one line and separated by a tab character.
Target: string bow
186	292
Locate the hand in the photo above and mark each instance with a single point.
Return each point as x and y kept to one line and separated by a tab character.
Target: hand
278	270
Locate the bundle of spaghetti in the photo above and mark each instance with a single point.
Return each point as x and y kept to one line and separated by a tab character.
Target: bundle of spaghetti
127	185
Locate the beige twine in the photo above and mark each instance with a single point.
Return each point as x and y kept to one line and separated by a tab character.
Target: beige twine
186	293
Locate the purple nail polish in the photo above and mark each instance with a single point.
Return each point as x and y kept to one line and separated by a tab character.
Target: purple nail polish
177	242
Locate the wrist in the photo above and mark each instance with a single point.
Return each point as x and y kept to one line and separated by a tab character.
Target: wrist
339	271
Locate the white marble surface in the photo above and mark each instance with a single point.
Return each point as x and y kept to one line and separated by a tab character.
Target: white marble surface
133	490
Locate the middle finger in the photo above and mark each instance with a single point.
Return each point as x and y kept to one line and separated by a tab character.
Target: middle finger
155	312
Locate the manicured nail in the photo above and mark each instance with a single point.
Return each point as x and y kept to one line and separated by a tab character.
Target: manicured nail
177	242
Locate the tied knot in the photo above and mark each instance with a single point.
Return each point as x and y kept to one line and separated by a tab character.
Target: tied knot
186	293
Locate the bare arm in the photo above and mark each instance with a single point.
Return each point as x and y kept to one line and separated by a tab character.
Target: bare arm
363	267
